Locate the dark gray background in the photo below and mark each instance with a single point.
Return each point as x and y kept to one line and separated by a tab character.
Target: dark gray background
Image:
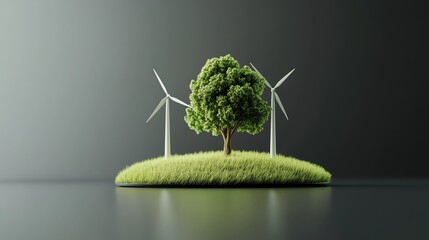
76	82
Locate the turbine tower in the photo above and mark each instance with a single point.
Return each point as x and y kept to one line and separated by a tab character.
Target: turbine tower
166	101
274	98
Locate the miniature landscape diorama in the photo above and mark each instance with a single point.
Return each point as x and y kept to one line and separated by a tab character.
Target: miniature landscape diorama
225	98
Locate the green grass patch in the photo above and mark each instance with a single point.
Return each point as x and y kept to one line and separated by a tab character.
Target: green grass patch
213	168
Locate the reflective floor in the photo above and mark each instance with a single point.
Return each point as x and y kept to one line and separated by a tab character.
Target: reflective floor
371	209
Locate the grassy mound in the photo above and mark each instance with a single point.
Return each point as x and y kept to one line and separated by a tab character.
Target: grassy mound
213	168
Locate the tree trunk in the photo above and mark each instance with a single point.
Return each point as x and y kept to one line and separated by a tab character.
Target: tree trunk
227	142
227	146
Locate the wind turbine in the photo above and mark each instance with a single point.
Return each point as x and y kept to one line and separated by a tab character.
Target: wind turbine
166	101
274	97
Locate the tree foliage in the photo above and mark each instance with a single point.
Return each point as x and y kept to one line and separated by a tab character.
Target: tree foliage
227	98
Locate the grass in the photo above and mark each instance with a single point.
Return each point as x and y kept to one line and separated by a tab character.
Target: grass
213	168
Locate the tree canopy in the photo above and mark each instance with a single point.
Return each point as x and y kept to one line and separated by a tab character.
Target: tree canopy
226	98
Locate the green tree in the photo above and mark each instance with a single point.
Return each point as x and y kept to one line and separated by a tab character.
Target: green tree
225	99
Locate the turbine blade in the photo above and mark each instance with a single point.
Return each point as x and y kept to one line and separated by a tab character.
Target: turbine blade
280	104
160	82
157	108
179	101
283	79
265	80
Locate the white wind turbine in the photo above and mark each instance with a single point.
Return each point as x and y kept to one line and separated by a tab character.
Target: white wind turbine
166	101
274	95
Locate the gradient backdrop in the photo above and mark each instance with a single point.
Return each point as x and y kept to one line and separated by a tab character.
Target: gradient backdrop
76	82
